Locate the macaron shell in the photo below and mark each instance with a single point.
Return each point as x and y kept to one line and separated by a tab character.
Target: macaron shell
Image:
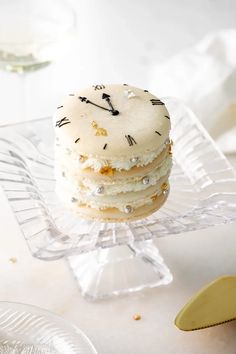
115	215
146	123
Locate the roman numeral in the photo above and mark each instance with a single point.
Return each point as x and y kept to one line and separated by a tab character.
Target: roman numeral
105	96
83	99
157	132
131	141
62	122
156	102
76	141
98	87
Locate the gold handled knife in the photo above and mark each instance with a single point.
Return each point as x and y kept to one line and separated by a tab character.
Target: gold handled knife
213	305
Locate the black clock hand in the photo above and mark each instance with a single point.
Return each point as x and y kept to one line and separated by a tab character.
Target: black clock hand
84	99
106	97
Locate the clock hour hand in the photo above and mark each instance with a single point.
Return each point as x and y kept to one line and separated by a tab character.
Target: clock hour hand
106	97
84	99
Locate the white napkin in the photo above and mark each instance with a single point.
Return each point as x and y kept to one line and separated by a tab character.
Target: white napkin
204	77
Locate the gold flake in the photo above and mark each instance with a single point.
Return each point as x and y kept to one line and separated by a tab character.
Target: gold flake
137	317
107	170
170	147
101	132
164	187
154	197
94	124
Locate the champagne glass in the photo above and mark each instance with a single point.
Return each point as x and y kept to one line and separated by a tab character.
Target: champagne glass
33	33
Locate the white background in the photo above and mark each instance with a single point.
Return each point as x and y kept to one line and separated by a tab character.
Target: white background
120	41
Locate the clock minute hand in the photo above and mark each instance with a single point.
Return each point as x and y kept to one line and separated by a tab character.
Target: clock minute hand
106	97
84	99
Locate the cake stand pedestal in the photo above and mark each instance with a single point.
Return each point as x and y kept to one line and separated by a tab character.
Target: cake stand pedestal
119	270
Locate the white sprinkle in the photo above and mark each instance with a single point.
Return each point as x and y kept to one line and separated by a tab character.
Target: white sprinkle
99	190
146	180
129	94
167	142
128	209
134	159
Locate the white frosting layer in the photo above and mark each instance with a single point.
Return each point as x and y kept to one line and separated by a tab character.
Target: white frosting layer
89	186
135	200
132	186
143	160
97	163
115	194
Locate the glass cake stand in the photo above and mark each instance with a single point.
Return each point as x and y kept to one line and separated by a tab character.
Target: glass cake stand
114	258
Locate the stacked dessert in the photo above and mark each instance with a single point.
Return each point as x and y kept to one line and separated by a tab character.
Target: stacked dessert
113	153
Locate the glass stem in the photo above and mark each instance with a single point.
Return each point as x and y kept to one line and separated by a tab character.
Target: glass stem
24	97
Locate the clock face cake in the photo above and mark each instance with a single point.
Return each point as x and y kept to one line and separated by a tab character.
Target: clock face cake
113	153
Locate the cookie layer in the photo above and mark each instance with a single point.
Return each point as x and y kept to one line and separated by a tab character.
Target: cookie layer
115	215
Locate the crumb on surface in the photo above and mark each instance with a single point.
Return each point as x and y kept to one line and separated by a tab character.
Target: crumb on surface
137	317
13	259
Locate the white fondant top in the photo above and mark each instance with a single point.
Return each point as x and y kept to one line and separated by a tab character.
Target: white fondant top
88	123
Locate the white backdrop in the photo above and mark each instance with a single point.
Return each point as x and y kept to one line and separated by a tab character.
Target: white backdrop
118	41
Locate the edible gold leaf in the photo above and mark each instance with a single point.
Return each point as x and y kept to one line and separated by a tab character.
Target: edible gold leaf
101	132
107	170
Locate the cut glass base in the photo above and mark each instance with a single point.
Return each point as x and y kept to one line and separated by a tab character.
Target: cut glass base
119	270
